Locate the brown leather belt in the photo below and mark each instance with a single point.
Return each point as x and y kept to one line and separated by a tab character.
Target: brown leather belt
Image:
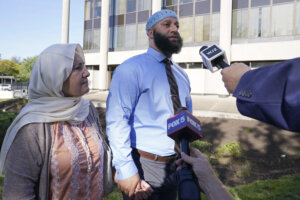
158	158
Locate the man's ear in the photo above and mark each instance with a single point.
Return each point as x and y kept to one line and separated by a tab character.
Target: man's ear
150	33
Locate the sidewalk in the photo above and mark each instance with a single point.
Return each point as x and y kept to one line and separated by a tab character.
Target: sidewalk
203	105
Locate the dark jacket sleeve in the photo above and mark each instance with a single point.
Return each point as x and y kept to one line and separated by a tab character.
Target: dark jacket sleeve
24	164
272	94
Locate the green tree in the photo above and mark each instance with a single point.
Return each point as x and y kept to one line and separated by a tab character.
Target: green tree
9	68
25	68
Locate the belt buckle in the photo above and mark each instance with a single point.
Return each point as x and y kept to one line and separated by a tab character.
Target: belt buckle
155	158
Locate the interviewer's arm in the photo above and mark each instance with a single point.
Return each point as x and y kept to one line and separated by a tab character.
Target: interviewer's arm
271	94
208	182
231	75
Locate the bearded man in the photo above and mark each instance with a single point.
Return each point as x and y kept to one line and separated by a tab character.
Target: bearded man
138	106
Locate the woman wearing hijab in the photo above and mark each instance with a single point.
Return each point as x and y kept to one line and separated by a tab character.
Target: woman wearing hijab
55	148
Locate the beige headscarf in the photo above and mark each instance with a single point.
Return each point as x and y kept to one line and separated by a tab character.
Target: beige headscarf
47	102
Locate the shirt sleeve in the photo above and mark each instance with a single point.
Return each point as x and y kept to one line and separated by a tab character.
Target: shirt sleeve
188	99
121	101
189	104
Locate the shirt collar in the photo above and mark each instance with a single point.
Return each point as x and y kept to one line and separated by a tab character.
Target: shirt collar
157	55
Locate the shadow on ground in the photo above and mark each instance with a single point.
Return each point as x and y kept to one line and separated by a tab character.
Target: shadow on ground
270	152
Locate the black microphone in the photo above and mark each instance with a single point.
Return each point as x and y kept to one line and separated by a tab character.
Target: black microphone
214	58
183	127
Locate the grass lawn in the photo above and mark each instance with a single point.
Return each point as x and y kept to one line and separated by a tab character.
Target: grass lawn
286	187
4	100
1	184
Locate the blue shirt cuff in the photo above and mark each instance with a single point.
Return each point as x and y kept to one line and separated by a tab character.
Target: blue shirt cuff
126	171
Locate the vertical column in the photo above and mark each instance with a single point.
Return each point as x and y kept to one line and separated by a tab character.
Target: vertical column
65	22
156	5
104	39
225	27
225	37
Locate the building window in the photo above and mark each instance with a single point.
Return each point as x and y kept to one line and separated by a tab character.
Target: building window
88	10
215	27
207	20
96	39
143	16
91	38
171	2
186	1
186	10
97	8
259	22
142	40
93	67
260	3
257	64
264	18
88	24
131	6
202	7
282	24
186	29
199	19
128	31
195	65
130	35
199	22
87	41
191	65
202	24
298	17
131	18
144	5
216	6
120	7
111	39
118	36
240	23
240	4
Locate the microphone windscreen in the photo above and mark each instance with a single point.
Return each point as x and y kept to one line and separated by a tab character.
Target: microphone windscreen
184	125
202	48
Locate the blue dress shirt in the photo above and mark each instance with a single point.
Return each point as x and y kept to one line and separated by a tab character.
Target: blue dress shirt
138	106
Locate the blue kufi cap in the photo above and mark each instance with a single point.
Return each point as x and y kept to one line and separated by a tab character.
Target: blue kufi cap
158	16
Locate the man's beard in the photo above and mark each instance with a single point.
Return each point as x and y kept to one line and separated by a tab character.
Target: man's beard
167	46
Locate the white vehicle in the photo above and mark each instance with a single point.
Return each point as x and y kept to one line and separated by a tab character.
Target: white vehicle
6	82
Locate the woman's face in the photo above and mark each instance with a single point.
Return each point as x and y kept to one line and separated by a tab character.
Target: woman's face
76	84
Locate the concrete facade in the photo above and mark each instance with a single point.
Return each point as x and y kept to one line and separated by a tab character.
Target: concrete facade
202	81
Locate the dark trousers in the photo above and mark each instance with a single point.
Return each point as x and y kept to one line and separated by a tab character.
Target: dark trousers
160	175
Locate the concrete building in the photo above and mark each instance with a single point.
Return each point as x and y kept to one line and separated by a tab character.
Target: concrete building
257	32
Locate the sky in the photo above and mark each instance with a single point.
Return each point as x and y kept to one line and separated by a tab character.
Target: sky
27	27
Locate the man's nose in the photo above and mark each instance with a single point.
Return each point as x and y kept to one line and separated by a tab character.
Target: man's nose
174	28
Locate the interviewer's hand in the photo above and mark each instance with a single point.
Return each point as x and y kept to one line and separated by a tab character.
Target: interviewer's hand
232	75
208	181
199	162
